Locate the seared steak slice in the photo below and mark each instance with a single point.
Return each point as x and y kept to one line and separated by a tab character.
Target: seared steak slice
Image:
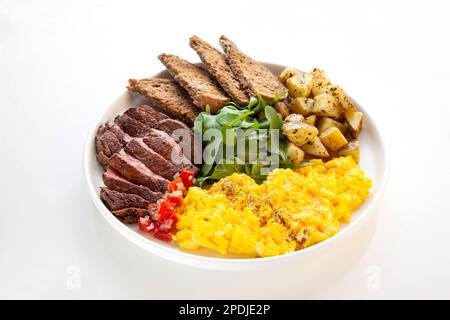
138	149
108	143
115	200
102	159
130	215
109	139
131	126
203	89
135	171
155	113
168	149
120	134
142	115
182	134
167	96
114	181
170	125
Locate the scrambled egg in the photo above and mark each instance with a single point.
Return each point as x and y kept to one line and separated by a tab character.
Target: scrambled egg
289	211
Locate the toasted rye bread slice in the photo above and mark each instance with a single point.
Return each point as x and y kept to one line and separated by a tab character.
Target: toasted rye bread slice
254	77
197	82
168	96
216	64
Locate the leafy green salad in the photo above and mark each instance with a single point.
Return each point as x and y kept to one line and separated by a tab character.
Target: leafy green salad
239	139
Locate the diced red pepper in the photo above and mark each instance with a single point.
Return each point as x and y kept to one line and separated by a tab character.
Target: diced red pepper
166	209
187	177
146	225
176	196
164	236
174	185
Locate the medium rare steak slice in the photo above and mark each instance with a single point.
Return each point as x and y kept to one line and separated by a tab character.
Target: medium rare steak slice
183	135
138	149
131	126
158	115
102	159
120	134
115	200
135	171
161	142
114	181
170	125
109	139
129	215
108	143
142	115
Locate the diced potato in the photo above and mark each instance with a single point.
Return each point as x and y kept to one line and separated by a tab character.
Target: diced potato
333	139
354	122
325	123
295	154
351	149
288	73
336	91
325	105
282	109
295	117
311	119
320	79
299	133
302	106
316	148
300	85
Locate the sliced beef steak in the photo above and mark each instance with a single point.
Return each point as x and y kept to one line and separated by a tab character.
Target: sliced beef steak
109	140
131	126
170	125
161	142
141	151
183	135
130	215
142	115
114	181
135	171
115	200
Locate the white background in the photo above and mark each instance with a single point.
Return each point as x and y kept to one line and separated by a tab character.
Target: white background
63	62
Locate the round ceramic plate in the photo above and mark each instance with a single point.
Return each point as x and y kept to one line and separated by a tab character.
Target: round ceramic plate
373	161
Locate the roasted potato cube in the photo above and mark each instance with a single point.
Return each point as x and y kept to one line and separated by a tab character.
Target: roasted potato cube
351	149
282	109
288	73
325	123
294	117
320	79
333	139
354	122
299	133
302	106
316	148
300	85
311	120
295	154
325	105
336	91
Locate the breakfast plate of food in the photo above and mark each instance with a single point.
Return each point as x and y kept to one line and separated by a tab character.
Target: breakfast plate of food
232	163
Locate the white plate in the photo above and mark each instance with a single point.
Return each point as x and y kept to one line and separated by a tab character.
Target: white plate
373	161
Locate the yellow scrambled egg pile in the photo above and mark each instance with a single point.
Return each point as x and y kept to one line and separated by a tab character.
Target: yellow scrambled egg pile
291	210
